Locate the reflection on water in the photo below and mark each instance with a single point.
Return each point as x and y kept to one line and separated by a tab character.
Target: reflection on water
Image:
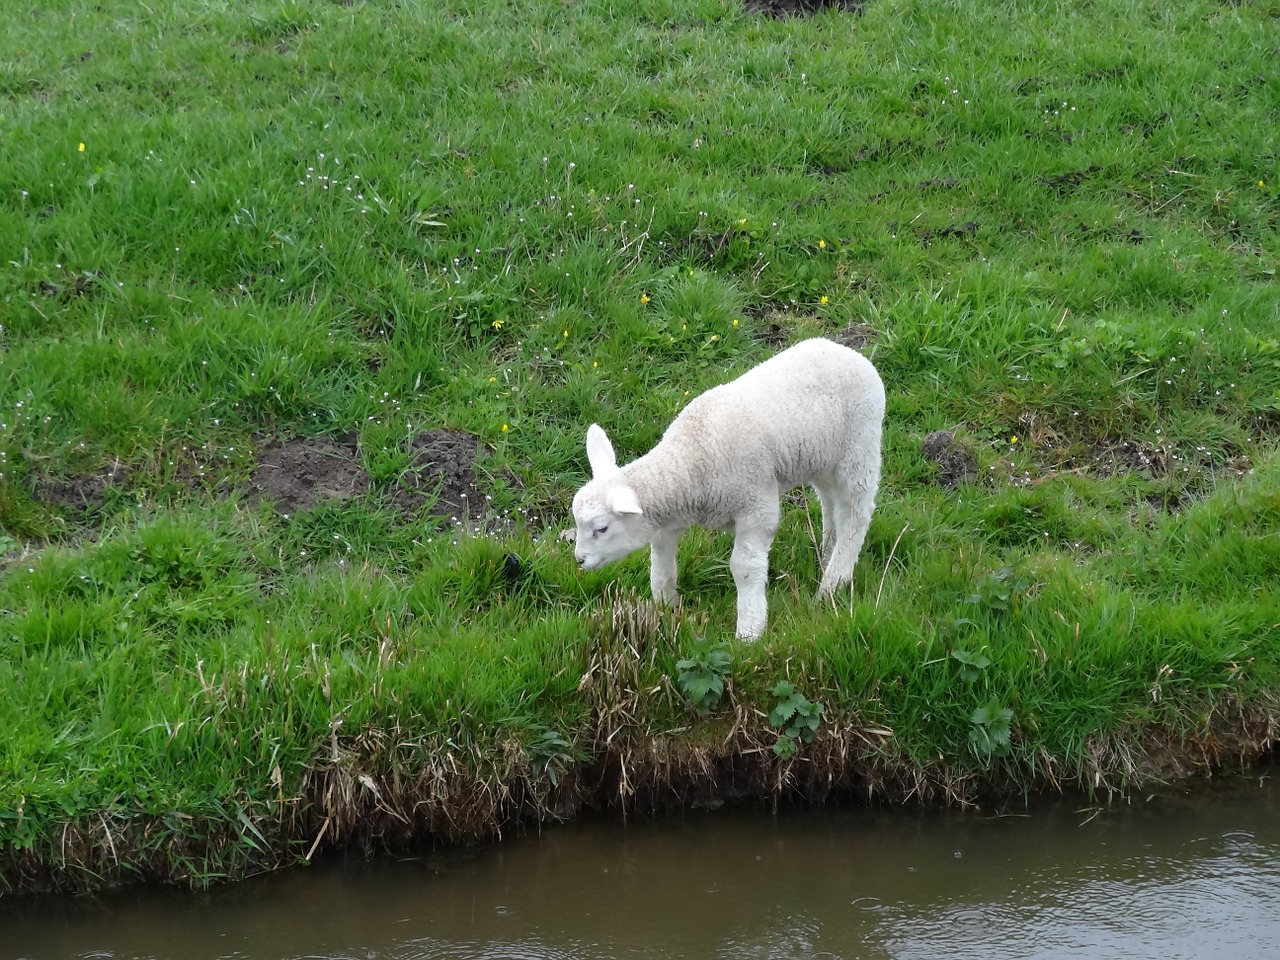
1193	875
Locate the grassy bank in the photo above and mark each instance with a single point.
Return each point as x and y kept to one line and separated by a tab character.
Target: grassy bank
304	309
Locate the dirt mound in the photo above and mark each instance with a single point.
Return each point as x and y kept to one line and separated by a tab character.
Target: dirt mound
442	478
445	479
300	472
83	497
801	8
956	465
855	335
1128	456
774	335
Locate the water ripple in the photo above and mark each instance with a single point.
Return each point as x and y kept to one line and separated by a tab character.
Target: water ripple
1227	905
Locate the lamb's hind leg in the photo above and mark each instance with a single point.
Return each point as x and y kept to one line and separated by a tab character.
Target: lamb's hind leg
826	499
851	515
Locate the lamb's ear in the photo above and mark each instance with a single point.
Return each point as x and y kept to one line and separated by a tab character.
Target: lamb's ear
622	499
600	452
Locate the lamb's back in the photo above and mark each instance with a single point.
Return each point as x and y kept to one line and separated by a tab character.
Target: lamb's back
791	417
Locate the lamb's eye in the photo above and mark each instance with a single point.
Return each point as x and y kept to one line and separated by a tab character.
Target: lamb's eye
601	530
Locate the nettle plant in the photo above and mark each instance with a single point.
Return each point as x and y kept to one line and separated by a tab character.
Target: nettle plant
551	754
991	724
701	677
991	732
1002	590
796	718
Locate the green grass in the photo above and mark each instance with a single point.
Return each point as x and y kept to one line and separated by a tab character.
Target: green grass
227	222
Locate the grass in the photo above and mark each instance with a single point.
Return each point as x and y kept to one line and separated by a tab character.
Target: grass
1055	228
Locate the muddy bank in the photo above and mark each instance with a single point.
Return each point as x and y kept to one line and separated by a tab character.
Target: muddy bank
388	790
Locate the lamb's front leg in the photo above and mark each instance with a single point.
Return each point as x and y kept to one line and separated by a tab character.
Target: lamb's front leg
662	568
749	564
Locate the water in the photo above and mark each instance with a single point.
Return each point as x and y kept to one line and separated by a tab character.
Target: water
1181	875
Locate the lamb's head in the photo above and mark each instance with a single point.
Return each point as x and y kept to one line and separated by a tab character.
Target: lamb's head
610	521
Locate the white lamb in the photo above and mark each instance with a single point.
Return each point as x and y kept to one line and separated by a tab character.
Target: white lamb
812	414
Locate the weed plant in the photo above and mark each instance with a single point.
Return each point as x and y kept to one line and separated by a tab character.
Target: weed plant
1052	226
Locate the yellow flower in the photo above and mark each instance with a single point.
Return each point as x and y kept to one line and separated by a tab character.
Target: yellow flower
594	364
823	300
82	148
504	428
493	379
564	333
822	244
644	298
742	222
497	324
1014	438
735	323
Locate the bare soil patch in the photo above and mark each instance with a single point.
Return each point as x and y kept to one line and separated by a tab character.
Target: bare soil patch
776	327
80	498
956	464
855	335
73	286
1066	183
1128	456
801	8
446	479
300	472
967	229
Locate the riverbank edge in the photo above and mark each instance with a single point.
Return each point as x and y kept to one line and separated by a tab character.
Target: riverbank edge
352	798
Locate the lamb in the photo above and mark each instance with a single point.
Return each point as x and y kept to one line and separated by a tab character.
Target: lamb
812	414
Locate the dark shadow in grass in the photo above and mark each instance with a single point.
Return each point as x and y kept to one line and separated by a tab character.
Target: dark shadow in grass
1121	457
856	336
703	248
773	334
72	287
81	499
924	186
967	229
834	162
777	327
1064	184
1135	236
1108	458
772	325
801	8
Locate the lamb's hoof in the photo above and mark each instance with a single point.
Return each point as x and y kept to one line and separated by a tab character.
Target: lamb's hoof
827	594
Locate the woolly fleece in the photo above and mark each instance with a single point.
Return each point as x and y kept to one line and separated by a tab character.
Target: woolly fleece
812	414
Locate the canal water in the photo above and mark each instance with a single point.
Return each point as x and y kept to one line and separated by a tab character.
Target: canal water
1192	873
